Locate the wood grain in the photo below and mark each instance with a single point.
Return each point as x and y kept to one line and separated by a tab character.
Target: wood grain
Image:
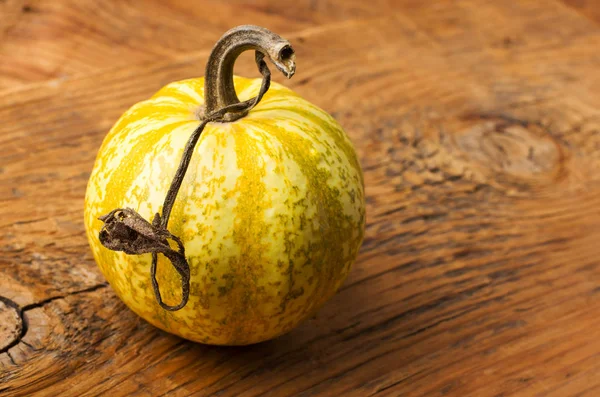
477	125
43	39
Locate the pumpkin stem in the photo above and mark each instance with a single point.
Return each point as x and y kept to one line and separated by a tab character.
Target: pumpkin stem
219	91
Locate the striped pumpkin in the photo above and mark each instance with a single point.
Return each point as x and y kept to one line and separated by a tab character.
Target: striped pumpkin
271	211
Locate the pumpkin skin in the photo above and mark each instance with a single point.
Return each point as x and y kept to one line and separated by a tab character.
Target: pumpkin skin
271	211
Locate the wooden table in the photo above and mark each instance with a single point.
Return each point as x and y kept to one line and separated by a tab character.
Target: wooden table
478	127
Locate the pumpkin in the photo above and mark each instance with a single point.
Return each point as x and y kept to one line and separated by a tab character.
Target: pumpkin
271	210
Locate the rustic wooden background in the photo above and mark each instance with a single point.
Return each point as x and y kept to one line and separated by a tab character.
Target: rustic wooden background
478	127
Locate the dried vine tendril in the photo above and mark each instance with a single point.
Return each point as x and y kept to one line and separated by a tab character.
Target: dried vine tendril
127	231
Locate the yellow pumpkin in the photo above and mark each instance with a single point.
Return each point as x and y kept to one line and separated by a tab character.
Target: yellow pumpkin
271	211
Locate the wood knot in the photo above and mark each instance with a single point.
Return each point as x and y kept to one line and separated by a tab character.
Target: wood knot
11	324
516	149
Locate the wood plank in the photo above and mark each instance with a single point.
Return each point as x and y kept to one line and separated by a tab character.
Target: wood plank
477	127
46	39
587	8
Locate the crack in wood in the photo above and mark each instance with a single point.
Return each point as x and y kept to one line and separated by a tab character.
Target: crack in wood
12	360
53	298
21	312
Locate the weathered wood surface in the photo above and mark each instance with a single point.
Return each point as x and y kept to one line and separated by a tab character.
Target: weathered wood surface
478	127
